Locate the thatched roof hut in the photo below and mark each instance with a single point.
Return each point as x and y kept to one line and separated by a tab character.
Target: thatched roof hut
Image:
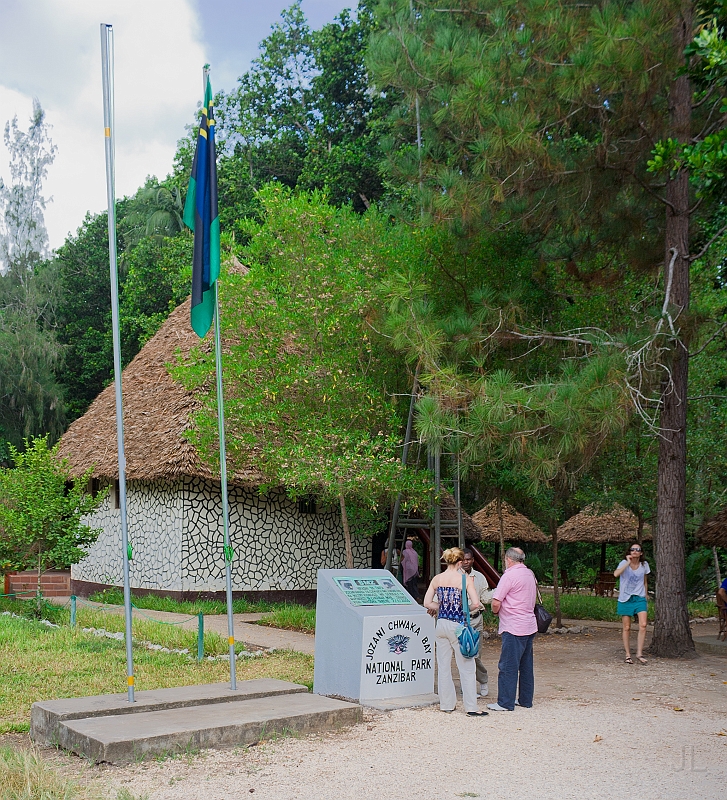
614	526
713	532
516	526
157	412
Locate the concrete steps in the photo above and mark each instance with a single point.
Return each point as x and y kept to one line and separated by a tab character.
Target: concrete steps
185	719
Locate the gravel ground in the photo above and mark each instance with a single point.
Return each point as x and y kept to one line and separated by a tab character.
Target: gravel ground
599	728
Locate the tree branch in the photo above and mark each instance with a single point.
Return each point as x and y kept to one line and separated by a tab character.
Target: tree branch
708	245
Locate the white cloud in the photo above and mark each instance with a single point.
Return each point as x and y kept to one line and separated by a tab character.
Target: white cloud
51	49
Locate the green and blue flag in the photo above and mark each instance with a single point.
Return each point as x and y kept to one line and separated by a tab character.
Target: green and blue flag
200	215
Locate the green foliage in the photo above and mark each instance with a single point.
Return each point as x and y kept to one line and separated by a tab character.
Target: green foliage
701	577
308	382
81	665
41	506
158	277
31	399
84	314
292	617
155	602
706	156
154	279
302	116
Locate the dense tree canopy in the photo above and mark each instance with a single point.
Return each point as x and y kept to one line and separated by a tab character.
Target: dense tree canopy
522	201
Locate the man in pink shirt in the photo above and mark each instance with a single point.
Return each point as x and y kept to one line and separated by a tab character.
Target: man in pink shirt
514	601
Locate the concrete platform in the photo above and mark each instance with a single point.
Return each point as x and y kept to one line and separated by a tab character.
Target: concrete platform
711	645
47	716
133	737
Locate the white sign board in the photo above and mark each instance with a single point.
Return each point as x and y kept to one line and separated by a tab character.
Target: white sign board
373	641
398	657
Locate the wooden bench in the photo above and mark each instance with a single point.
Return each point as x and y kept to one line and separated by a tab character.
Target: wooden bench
605	584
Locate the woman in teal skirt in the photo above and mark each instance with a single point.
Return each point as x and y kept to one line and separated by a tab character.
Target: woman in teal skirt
632	572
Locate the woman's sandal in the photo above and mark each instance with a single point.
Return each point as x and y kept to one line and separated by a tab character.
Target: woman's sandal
641	660
629	660
477	713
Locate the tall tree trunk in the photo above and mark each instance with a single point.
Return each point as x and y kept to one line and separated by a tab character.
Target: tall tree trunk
346	532
672	636
502	531
556	587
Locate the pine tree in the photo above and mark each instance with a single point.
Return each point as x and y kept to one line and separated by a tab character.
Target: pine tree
544	115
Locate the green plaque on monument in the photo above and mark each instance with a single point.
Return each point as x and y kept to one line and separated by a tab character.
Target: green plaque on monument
373	591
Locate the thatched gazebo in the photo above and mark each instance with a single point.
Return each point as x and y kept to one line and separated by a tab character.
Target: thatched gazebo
174	499
516	527
713	532
618	525
512	527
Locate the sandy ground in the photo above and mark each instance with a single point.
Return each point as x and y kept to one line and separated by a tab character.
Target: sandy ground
600	728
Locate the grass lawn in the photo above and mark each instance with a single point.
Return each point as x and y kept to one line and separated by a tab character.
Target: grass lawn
41	663
115	597
572	606
292	617
582	606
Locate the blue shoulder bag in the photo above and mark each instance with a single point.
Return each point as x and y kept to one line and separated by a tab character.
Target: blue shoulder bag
468	637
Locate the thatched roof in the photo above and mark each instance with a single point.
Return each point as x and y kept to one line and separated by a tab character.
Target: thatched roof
615	526
157	412
516	526
713	532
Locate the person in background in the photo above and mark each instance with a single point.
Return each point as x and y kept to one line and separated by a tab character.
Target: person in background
632	589
485	595
444	598
722	591
410	569
514	600
394	560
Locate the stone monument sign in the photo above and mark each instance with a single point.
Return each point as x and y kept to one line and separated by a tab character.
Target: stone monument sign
373	641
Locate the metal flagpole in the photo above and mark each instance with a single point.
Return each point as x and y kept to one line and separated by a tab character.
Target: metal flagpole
107	63
223	472
225	504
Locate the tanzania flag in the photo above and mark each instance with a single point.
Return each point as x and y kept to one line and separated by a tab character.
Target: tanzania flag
200	214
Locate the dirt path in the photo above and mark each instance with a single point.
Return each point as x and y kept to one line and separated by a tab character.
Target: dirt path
599	728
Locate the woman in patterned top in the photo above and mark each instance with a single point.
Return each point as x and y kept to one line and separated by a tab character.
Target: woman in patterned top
444	598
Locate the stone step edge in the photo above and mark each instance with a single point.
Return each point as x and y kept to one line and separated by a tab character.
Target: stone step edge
335	714
46	716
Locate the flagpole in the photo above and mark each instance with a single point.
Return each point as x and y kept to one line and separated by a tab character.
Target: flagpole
223	470
107	65
223	482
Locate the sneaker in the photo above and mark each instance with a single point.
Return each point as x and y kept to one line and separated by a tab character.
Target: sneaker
484	690
497	707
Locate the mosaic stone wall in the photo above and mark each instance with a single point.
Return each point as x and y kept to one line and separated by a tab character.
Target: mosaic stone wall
176	533
155	532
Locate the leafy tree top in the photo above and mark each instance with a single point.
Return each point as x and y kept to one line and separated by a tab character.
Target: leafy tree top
310	387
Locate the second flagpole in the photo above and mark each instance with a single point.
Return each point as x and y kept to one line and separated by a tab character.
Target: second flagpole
228	551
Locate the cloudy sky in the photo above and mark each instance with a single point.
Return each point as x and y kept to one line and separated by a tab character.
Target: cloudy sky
50	50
